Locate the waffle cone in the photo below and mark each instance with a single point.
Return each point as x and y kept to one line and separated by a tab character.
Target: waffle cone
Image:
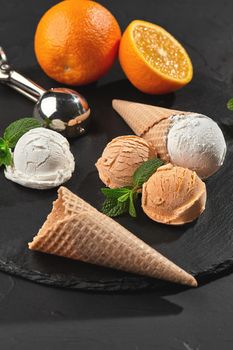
157	137
141	117
76	230
150	122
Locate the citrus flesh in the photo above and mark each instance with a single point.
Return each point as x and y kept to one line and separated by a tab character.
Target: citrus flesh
153	60
161	52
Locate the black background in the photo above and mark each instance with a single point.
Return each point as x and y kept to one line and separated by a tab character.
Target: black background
33	316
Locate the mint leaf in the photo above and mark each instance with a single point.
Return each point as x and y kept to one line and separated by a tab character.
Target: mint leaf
144	171
7	159
230	104
132	210
121	200
3	145
112	207
5	153
116	202
114	192
18	128
124	197
115	206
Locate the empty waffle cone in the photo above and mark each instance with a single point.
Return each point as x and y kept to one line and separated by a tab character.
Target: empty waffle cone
150	122
76	230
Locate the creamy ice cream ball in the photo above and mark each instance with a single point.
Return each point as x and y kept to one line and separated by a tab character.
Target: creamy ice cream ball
196	142
42	159
173	195
120	158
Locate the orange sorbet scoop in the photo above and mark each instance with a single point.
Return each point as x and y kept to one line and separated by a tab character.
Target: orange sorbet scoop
173	195
121	157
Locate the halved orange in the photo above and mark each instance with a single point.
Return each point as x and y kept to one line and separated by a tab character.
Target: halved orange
153	60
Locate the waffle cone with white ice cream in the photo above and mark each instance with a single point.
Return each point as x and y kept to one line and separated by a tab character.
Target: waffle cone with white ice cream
190	140
141	117
76	230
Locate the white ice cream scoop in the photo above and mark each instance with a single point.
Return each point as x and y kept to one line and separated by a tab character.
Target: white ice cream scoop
196	142
42	159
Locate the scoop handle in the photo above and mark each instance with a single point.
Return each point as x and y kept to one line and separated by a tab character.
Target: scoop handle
17	81
25	86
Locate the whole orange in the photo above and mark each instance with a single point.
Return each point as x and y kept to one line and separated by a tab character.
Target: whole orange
76	41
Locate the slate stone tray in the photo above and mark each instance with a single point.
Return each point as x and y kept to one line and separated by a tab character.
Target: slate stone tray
204	247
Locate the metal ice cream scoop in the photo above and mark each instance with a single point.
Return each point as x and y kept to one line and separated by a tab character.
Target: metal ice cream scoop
63	110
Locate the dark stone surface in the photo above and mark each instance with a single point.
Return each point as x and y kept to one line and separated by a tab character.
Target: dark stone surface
37	317
169	317
204	247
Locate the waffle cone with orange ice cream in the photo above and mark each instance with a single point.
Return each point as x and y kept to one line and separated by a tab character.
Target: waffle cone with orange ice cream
173	195
121	157
76	230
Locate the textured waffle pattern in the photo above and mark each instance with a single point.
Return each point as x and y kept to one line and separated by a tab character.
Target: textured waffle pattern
85	234
73	204
141	117
157	136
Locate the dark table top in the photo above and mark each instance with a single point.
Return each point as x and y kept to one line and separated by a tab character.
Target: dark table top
37	317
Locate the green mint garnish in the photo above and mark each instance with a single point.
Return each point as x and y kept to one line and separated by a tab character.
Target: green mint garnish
230	104
144	172
114	193
112	207
121	200
116	202
5	153
132	210
124	197
11	136
18	128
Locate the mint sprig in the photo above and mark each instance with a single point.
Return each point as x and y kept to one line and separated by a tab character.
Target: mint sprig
11	136
122	200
